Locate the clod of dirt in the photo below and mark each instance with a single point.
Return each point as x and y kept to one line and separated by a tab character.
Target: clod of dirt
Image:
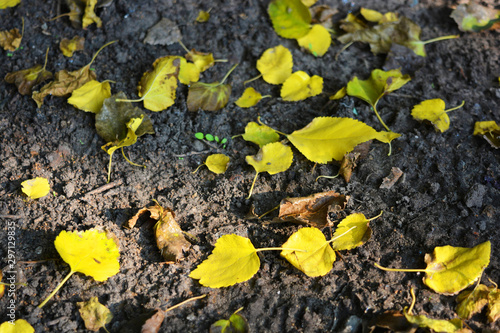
164	32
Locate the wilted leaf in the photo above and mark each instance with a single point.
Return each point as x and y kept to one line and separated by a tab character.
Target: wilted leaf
157	87
233	260
290	18
377	17
249	98
94	314
490	132
275	64
327	138
389	181
475	17
68	47
438	325
351	159
316	256
26	79
111	121
300	86
312	210
19	326
394	321
90	97
339	94
164	32
235	324
322	14
36	188
260	134
493	305
433	111
10	40
203	16
202	61
472	301
217	163
8	3
351	24
89	15
317	41
359	235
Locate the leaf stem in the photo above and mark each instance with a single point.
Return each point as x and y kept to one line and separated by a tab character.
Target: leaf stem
328	177
279	249
439	39
95	54
199	166
56	290
220	60
413	299
184	302
266	96
46	58
416	270
130	100
252	79
253	184
227	74
376	217
378	116
269	211
456	107
183	46
134	164
109	166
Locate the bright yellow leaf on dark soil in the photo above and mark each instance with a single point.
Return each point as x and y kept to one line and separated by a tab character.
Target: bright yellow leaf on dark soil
233	260
26	79
356	237
275	64
94	314
203	16
490	132
290	18
36	188
317	41
19	326
157	87
300	86
90	16
260	134
472	301
474	17
68	47
433	111
339	94
9	3
249	98
377	17
90	96
437	325
318	256
330	138
10	40
217	163
202	61
188	72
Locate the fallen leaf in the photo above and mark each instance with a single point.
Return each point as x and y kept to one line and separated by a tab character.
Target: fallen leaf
89	15
360	233
36	188
290	18
272	158
351	24
233	260
395	321
316	256
327	138
26	79
474	17
260	134
9	3
317	41
438	325
19	326
312	210
153	323
309	3
94	314
68	47
249	98
389	181
203	16
472	301
275	64
377	17
490	132
235	324
339	94
90	97
493	305
165	32
2	286
10	40
202	61
322	14
217	163
300	86
433	111
351	159
188	72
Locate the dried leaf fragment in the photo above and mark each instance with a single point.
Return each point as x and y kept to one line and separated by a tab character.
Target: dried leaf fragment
472	301
94	314
312	210
26	79
10	40
493	305
389	181
438	325
490	132
68	47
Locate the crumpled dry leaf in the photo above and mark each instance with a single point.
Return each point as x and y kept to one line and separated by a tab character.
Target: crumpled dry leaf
81	16
68	47
472	301
490	132
169	235
351	159
311	210
10	40
89	15
389	181
493	304
164	32
322	14
474	17
94	314
146	322
26	79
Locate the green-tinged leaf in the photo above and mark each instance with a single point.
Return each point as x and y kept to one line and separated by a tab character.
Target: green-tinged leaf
233	260
300	86
217	163
327	138
490	132
472	301
260	134
339	94
235	324
249	98
317	41
94	314
475	17
208	96
26	79
274	158
356	237
493	305
36	188
90	97
203	16
317	258
438	325
275	64
19	326
131	137
68	47
9	3
290	18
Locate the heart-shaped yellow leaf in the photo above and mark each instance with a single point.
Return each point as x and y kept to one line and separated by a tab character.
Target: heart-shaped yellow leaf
249	98
317	41
275	64
300	86
36	188
360	233
260	134
217	163
433	111
90	97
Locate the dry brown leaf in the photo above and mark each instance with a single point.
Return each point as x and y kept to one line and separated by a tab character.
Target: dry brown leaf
10	40
69	46
322	15
391	179
350	160
311	210
26	79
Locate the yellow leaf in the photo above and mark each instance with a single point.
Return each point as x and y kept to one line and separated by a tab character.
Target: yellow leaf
68	47
371	15
249	98
471	302
290	18
275	65
317	41
318	257
300	86
233	260
9	3
339	94
493	305
217	163
202	61
10	40
433	111
36	188
327	138
90	97
20	326
203	16
157	87
490	132
188	72
309	3
26	79
438	325
89	16
359	235
260	134
94	314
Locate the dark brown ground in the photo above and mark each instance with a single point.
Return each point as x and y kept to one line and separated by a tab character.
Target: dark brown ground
449	194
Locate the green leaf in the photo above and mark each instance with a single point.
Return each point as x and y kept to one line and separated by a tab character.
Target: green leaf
94	314
260	134
290	18
199	136
233	260
438	325
209	137
235	324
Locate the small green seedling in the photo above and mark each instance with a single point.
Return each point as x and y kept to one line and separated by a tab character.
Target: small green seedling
211	138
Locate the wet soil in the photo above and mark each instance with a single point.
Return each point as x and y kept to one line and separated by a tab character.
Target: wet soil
449	193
